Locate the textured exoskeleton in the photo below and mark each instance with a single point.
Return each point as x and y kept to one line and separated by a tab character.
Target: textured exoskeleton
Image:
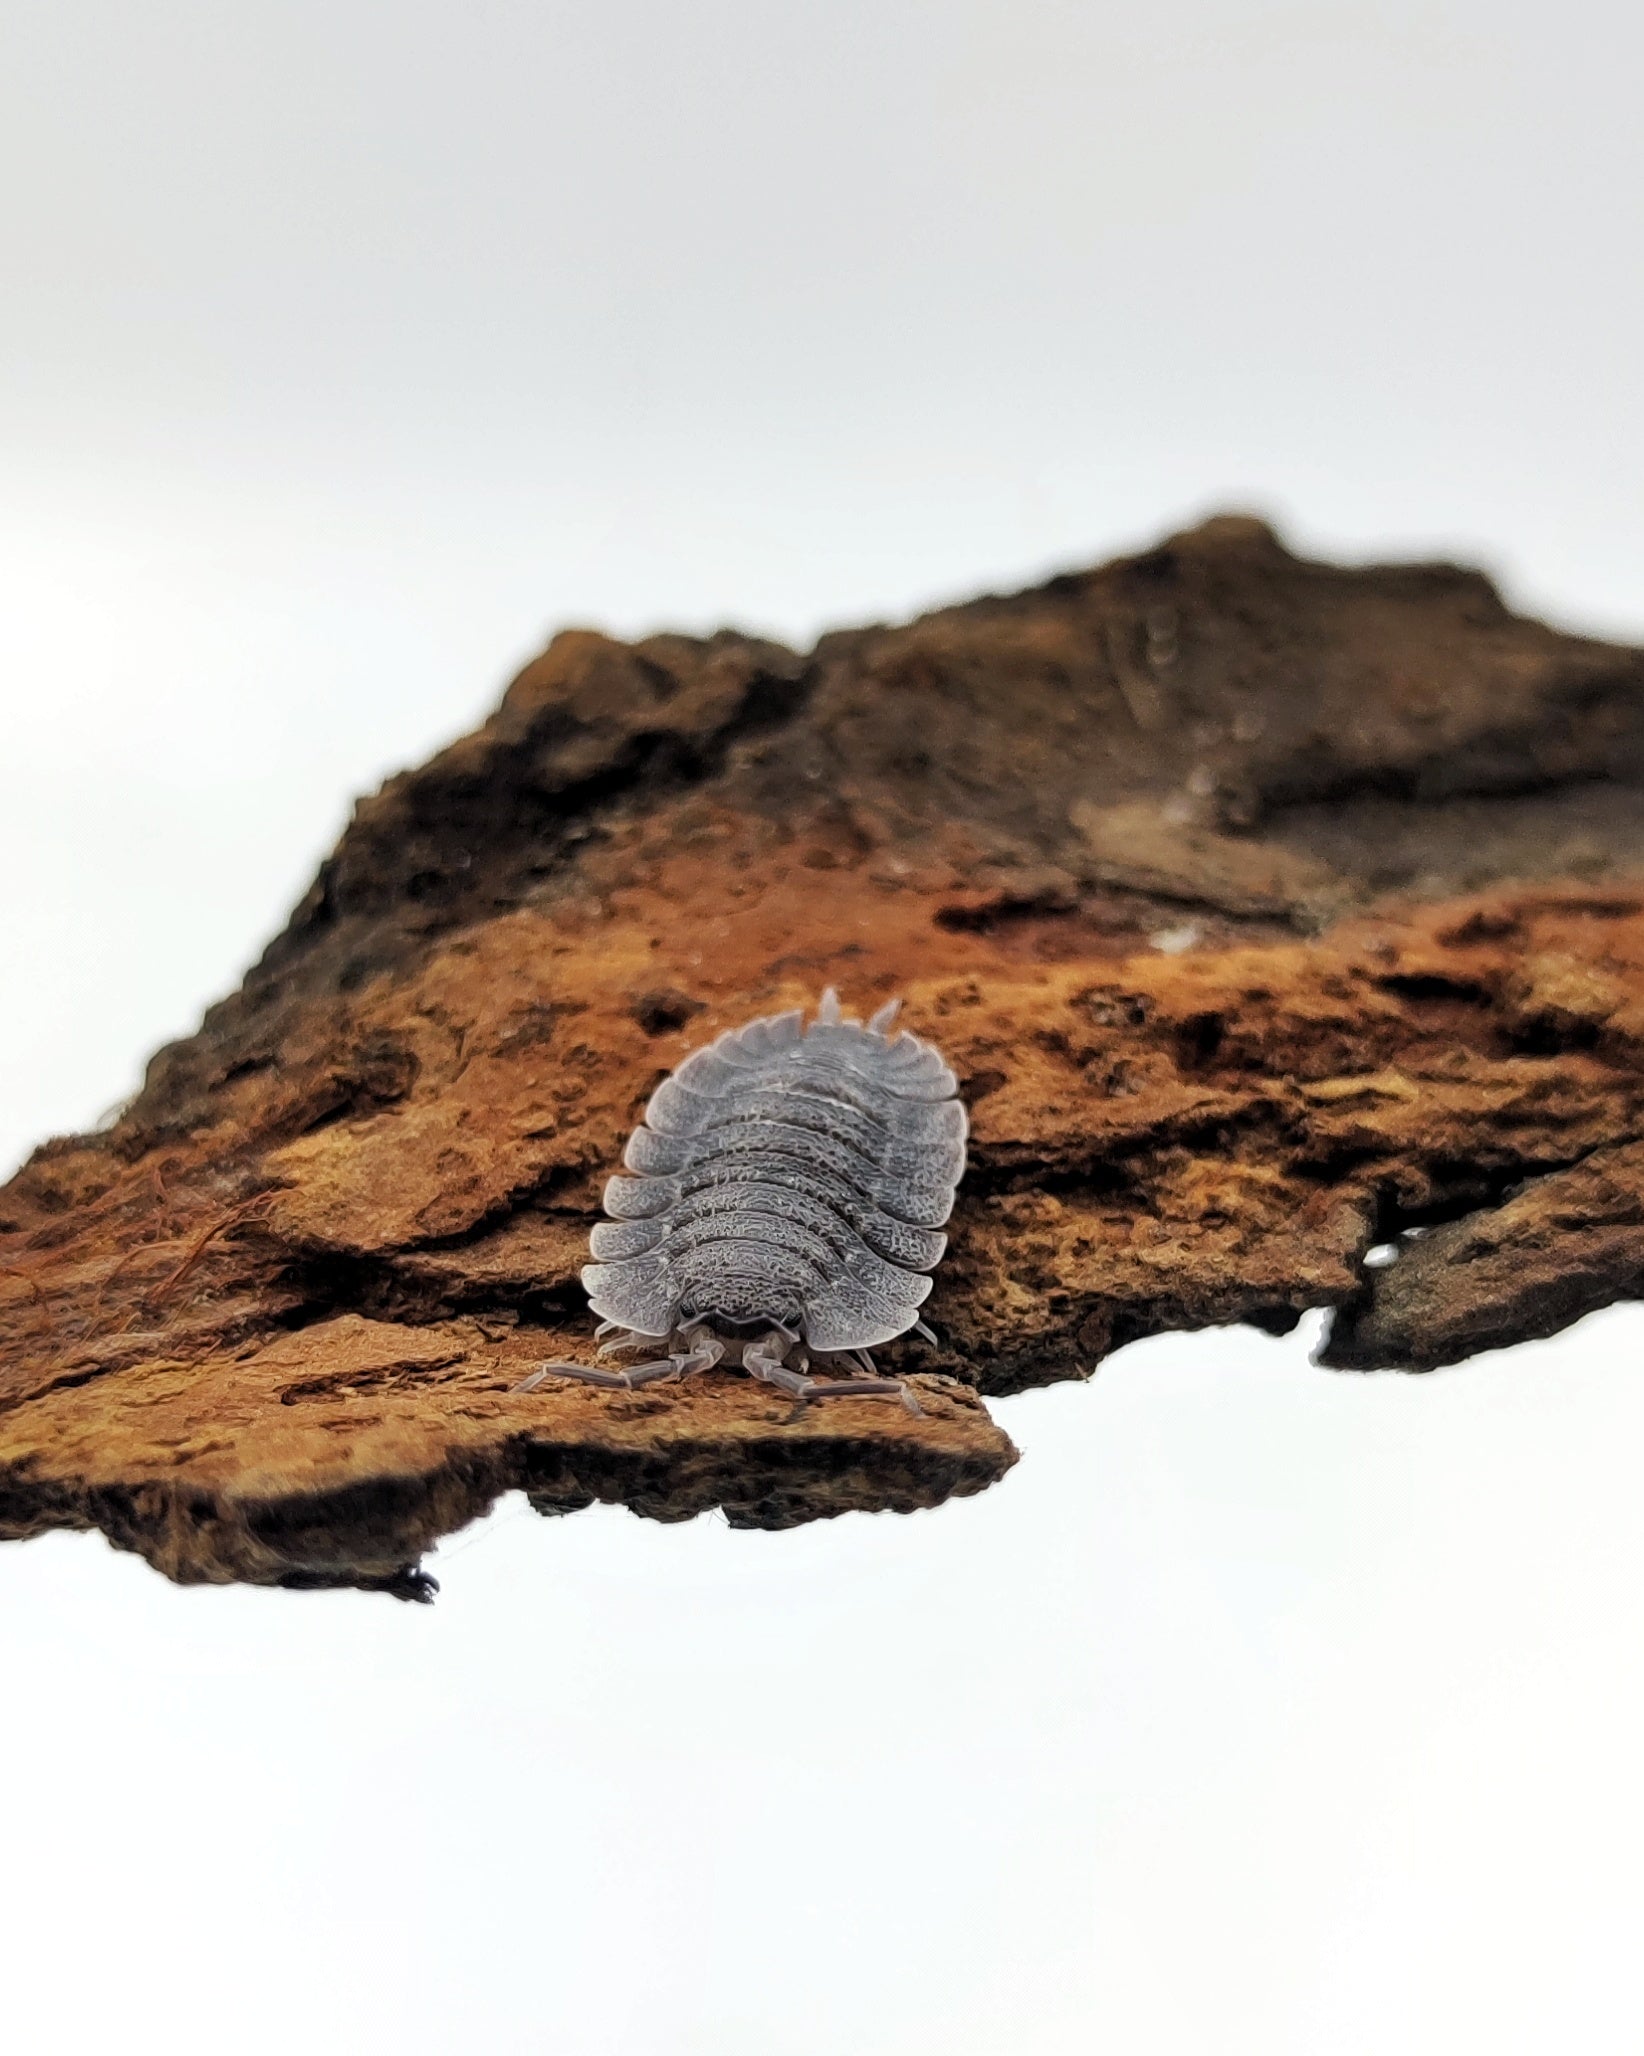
786	1193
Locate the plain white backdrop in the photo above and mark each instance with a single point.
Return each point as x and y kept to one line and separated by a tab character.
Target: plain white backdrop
348	350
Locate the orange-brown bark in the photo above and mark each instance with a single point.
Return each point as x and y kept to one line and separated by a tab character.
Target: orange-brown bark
1267	911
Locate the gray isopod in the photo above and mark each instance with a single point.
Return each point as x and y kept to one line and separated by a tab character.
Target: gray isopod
788	1187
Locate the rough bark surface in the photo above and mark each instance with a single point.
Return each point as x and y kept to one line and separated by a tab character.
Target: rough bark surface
1269	912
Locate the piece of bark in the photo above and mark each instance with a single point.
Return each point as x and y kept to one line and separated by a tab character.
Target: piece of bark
1267	910
1560	1247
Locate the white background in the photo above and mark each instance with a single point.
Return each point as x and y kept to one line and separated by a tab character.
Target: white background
350	348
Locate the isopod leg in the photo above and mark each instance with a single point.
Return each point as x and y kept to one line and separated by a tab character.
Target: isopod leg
870	1381
682	1364
704	1352
759	1361
627	1340
888	1388
613	1381
647	1374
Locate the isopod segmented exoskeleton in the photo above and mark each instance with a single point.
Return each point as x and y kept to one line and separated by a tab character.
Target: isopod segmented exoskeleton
785	1196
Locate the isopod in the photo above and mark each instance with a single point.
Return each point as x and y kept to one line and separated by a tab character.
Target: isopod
787	1189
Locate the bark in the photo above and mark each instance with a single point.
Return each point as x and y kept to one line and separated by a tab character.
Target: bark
1270	912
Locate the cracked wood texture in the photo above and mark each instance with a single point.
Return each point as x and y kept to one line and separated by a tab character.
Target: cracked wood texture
1269	911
